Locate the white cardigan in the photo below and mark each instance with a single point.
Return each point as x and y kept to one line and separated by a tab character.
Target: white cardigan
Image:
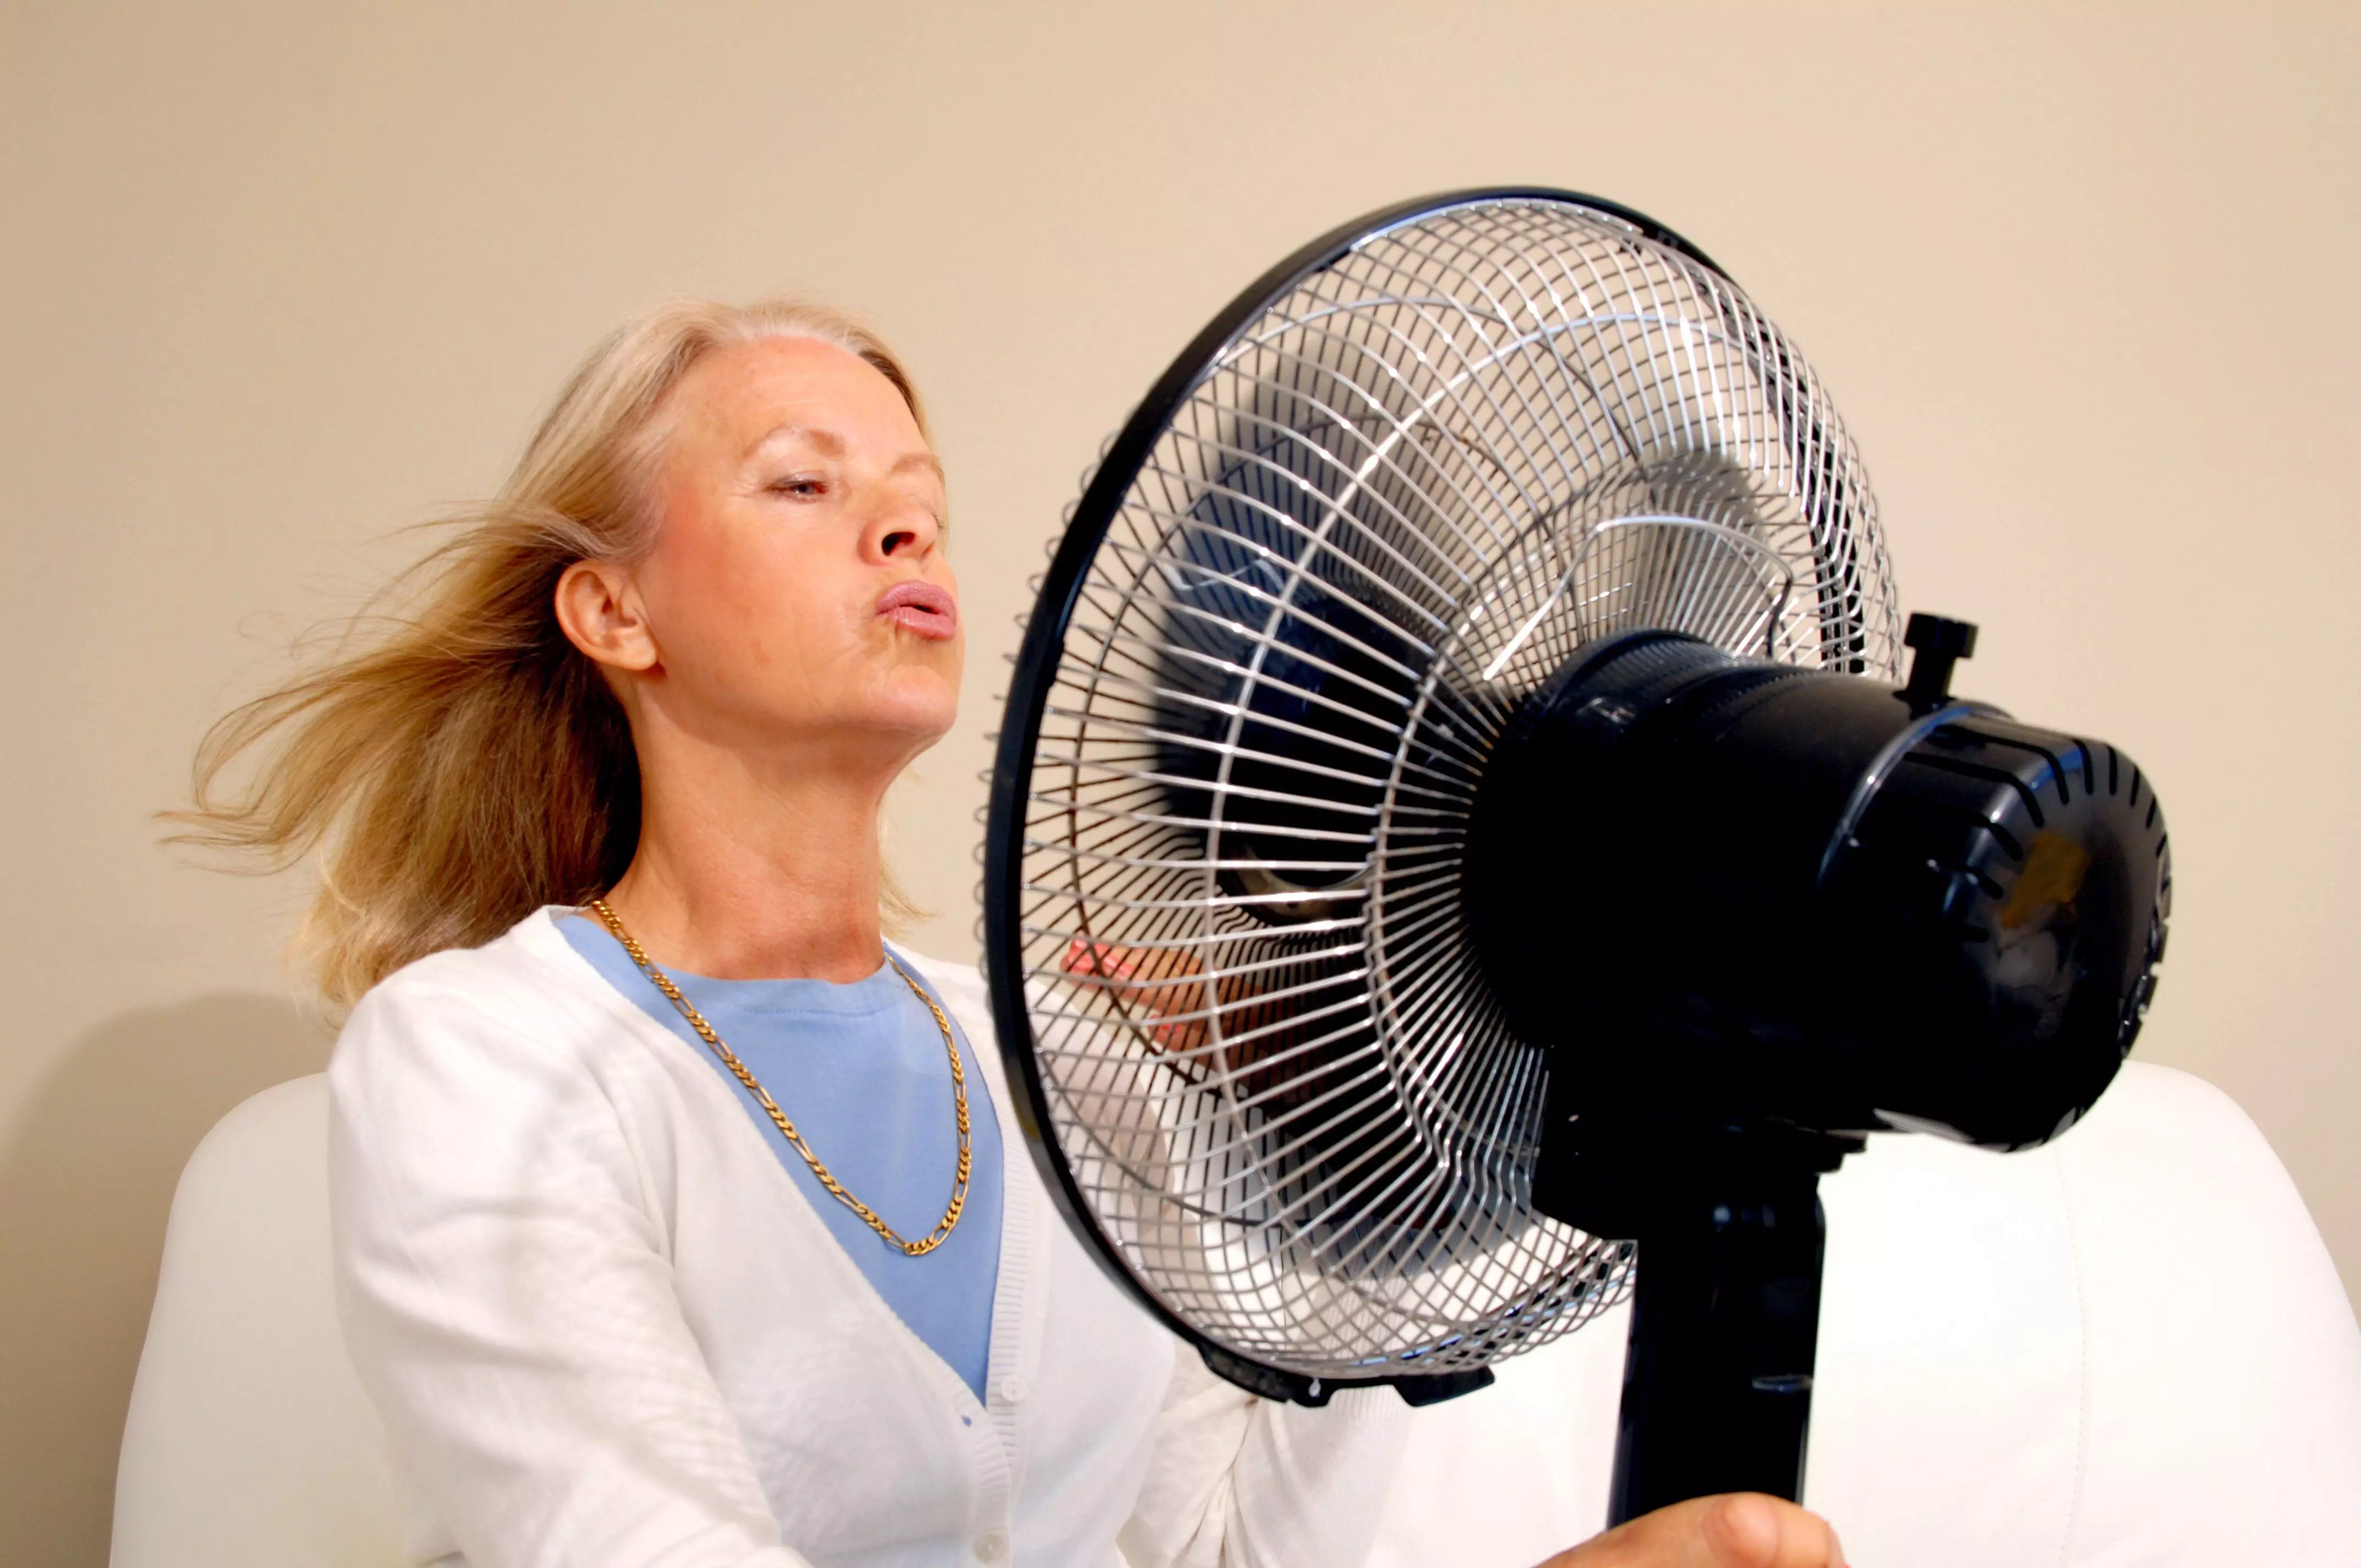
606	1330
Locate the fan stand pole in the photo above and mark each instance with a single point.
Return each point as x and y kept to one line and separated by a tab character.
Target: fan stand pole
1718	1377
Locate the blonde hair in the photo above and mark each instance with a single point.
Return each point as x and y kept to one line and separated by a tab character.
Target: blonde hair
458	764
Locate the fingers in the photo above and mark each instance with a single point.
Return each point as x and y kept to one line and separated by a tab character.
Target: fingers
1162	991
1754	1531
1158	985
1743	1531
1095	961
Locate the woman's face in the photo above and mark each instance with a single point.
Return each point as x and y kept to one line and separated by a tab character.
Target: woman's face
798	594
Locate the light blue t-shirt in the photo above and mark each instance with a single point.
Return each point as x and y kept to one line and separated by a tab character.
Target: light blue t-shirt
862	1072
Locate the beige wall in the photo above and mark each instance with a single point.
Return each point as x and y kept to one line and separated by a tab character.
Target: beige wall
279	277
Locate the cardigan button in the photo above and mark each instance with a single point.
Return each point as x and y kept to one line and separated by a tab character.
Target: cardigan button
992	1546
1012	1390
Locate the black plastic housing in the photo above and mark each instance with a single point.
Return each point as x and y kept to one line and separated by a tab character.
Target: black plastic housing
1724	890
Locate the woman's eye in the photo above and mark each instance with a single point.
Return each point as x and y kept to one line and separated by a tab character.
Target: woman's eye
802	485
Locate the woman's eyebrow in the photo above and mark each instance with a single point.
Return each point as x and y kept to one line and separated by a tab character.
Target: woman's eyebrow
827	441
830	445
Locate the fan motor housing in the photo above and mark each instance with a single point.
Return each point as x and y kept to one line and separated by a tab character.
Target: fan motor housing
1721	891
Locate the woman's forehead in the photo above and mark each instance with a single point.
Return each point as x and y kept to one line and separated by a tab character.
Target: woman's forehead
747	397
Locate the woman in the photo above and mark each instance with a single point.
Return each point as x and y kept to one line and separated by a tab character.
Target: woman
674	1220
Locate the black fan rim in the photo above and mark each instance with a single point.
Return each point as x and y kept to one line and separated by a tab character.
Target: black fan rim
1028	688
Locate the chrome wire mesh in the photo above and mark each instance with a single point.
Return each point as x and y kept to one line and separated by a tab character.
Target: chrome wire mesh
1393	506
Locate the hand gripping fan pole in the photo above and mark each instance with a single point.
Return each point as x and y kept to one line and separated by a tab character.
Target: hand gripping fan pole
1457	852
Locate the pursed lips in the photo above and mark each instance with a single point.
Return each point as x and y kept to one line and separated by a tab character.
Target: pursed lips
921	607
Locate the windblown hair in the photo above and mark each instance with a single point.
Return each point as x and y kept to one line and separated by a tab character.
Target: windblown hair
457	763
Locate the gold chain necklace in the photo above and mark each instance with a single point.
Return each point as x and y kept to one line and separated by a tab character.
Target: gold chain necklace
925	1244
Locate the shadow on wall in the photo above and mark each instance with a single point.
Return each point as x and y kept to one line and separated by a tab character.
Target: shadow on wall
84	1192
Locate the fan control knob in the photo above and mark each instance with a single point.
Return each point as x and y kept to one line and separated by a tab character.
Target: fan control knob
1939	644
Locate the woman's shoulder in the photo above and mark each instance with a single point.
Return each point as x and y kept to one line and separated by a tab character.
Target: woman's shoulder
513	999
514	969
493	1081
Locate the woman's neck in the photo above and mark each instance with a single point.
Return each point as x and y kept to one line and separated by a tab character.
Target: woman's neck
741	876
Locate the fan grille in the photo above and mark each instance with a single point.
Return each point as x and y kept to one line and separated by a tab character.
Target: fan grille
1394	504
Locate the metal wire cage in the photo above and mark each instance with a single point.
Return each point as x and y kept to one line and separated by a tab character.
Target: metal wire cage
1382	498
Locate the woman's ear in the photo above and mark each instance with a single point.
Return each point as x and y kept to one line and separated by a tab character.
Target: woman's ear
598	610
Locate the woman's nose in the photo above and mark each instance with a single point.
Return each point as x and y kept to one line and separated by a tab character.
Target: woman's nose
902	532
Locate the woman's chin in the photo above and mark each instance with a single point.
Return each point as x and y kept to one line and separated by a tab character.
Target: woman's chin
919	704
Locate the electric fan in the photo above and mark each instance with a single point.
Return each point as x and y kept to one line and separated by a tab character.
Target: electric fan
1456	854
